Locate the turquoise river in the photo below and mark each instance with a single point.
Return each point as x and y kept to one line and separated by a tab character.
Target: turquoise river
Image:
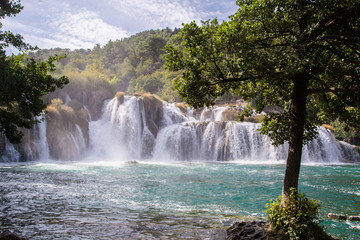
161	200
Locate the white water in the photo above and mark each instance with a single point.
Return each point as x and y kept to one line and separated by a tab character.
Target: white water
122	134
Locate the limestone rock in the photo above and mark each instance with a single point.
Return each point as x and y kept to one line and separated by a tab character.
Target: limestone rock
250	231
10	236
67	132
154	111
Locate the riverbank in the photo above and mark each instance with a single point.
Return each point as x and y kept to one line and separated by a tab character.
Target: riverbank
251	230
10	236
259	230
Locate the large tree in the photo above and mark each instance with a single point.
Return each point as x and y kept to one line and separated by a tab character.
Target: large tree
23	81
298	54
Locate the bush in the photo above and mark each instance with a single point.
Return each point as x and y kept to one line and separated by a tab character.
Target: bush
345	133
56	103
298	219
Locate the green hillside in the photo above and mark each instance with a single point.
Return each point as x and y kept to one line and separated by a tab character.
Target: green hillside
131	65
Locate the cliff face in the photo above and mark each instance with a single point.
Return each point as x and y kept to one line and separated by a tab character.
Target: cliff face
67	132
154	111
91	99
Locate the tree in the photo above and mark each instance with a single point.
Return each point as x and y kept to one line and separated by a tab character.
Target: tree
154	47
290	53
23	81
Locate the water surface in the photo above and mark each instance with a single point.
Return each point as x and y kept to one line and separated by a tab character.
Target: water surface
149	200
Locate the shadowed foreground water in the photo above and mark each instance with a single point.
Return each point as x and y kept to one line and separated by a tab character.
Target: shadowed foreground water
148	200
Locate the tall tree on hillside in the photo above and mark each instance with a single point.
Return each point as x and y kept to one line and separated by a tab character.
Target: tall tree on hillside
23	81
154	47
289	53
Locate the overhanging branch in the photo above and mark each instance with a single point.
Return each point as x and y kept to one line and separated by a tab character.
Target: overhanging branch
334	90
333	19
230	80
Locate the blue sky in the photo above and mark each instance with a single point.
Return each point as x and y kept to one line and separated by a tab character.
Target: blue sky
78	24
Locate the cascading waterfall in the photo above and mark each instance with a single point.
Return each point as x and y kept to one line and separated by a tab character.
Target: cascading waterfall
78	140
214	114
34	145
42	143
8	153
215	141
123	133
118	133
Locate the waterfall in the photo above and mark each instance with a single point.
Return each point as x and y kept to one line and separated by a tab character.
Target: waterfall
118	133
173	115
78	141
212	114
42	142
34	145
8	153
130	129
177	142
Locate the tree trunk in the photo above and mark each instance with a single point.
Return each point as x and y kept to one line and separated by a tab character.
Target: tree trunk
297	122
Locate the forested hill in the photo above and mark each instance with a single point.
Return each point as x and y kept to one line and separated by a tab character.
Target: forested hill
131	65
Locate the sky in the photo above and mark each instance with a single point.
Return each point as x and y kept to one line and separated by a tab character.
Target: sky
76	24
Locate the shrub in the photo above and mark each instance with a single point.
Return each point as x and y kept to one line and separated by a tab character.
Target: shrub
344	132
298	219
120	96
56	103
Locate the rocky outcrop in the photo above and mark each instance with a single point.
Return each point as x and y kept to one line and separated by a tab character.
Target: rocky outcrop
95	101
261	230
152	108
254	119
67	131
251	231
351	155
120	97
154	112
10	236
230	114
91	97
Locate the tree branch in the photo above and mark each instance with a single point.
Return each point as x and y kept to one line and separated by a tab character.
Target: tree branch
228	80
354	60
335	18
336	91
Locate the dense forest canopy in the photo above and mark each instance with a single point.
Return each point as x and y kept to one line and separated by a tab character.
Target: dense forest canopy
132	65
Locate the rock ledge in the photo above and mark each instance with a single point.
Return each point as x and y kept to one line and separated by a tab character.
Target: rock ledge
250	230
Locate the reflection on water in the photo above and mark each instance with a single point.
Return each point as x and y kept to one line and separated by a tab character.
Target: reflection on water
106	200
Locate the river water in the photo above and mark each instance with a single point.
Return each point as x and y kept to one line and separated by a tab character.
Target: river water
161	200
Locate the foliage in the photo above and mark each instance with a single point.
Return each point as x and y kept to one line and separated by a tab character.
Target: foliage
22	88
292	54
264	49
24	81
343	132
130	65
7	38
298	219
56	102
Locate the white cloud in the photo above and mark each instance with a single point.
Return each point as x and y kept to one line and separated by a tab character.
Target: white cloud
157	13
84	29
84	23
